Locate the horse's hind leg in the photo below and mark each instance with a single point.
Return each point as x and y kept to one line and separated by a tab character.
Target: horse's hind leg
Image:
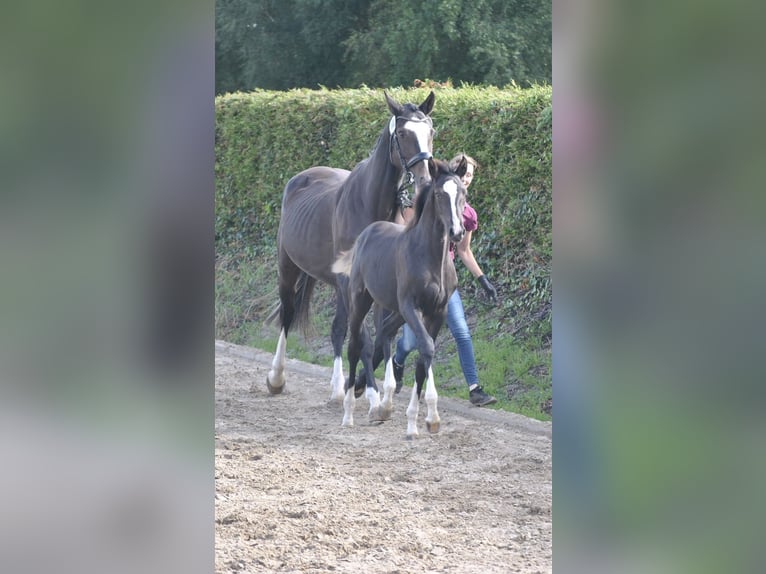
386	330
288	277
339	329
377	356
371	391
354	350
389	384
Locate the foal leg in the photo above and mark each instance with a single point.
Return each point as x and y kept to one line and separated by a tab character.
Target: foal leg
433	326
361	382
433	422
371	391
414	406
349	400
383	341
358	305
426	349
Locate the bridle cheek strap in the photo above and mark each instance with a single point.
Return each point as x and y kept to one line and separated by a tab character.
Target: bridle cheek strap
402	196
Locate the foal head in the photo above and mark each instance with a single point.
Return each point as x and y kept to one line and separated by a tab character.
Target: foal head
411	134
446	196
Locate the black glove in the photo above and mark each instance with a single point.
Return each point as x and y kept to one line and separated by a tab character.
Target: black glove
491	291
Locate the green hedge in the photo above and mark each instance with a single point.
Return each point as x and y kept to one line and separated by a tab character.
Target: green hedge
263	138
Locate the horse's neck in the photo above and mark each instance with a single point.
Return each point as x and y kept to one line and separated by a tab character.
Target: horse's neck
378	195
430	234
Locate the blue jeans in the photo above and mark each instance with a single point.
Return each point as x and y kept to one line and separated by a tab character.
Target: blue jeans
459	329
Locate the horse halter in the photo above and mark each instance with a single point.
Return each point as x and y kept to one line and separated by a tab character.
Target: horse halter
402	196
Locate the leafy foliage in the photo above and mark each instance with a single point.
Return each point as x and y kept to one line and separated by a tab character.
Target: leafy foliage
284	44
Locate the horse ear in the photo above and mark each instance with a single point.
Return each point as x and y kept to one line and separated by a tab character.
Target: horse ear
394	106
432	168
428	104
462	167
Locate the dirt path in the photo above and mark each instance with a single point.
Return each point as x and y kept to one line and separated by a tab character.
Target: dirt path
296	492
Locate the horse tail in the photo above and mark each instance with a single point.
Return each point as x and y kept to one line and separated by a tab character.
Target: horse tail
342	265
304	288
303	291
274	314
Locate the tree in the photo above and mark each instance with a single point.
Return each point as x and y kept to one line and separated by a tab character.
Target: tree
475	41
282	44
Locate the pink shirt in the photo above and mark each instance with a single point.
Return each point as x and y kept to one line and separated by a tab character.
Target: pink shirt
470	222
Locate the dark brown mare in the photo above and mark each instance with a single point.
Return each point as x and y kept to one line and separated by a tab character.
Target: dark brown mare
323	211
408	272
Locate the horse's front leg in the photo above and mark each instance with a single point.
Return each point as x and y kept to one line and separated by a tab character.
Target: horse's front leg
414	406
433	422
423	371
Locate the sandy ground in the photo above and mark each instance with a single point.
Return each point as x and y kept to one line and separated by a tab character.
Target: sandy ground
296	492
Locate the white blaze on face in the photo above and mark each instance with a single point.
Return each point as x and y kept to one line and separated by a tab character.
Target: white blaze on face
450	187
421	129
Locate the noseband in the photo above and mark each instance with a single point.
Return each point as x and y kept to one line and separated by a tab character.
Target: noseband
402	196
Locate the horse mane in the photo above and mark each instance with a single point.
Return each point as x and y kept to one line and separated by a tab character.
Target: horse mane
442	168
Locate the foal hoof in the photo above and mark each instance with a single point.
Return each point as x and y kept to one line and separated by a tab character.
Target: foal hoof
433	427
273	390
384	414
380	414
360	384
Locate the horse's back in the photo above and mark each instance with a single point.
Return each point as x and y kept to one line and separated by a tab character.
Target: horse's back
305	225
314	184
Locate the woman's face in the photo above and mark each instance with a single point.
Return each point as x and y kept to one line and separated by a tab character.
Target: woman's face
468	177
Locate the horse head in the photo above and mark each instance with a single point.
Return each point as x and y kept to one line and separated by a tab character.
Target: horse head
412	133
449	194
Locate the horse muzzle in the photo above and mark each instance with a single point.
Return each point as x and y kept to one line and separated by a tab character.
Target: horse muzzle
457	237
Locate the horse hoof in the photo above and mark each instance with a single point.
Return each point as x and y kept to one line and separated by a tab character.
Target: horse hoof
379	415
360	385
273	390
433	427
383	414
411	436
335	400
